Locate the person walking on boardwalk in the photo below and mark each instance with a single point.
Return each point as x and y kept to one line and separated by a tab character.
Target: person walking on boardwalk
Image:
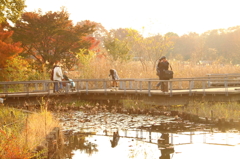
115	77
57	76
163	65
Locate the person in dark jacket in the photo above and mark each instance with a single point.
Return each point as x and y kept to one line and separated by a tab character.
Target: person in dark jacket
163	65
158	73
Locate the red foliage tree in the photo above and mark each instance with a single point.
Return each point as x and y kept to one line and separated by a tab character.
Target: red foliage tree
8	49
52	36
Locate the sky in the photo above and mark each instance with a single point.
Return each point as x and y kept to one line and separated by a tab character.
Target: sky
149	17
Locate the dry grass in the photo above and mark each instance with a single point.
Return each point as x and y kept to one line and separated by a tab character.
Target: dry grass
220	110
99	68
38	125
21	138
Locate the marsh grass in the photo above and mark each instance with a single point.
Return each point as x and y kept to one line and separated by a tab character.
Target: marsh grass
230	110
99	69
21	133
130	104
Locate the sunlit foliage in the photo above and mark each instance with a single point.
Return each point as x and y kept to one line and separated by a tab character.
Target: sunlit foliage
52	36
8	49
11	10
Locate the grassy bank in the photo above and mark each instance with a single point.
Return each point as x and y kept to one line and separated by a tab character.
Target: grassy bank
21	132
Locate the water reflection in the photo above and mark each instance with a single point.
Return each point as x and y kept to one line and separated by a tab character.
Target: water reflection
80	143
165	153
114	141
144	137
165	147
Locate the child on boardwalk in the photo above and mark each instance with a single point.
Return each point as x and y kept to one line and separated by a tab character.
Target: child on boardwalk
115	77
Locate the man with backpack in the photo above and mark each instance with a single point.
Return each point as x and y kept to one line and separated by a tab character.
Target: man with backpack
163	66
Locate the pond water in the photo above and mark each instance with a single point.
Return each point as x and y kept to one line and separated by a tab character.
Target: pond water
121	136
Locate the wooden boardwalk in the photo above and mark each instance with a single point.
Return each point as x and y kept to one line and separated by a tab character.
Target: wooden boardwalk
181	91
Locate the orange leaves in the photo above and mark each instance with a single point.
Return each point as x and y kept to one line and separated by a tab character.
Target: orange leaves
10	147
93	43
8	51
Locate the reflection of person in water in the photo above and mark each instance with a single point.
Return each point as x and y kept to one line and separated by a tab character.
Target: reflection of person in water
115	139
79	142
166	153
164	144
165	136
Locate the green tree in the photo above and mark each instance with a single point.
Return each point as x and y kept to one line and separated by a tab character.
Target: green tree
117	45
11	10
118	49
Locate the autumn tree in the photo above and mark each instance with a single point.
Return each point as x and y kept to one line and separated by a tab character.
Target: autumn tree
117	46
11	10
233	39
225	42
186	45
8	49
52	36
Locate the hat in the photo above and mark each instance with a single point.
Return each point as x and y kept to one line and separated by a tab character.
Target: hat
163	57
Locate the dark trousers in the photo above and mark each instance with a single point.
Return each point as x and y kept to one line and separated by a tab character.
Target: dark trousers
164	86
159	83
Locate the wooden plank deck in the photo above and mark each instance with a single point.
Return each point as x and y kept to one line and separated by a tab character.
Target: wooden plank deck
230	90
174	97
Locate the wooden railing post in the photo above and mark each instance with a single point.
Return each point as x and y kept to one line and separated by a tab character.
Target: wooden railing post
136	86
77	86
27	88
140	85
130	84
204	87
48	87
149	88
190	88
87	87
226	87
124	85
170	83
105	87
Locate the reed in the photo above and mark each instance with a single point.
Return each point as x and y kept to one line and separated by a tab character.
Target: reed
21	133
99	68
220	110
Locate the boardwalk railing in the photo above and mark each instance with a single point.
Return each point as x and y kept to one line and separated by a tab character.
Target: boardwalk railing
184	85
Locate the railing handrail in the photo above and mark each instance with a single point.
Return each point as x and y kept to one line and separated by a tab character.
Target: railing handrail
224	74
122	79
